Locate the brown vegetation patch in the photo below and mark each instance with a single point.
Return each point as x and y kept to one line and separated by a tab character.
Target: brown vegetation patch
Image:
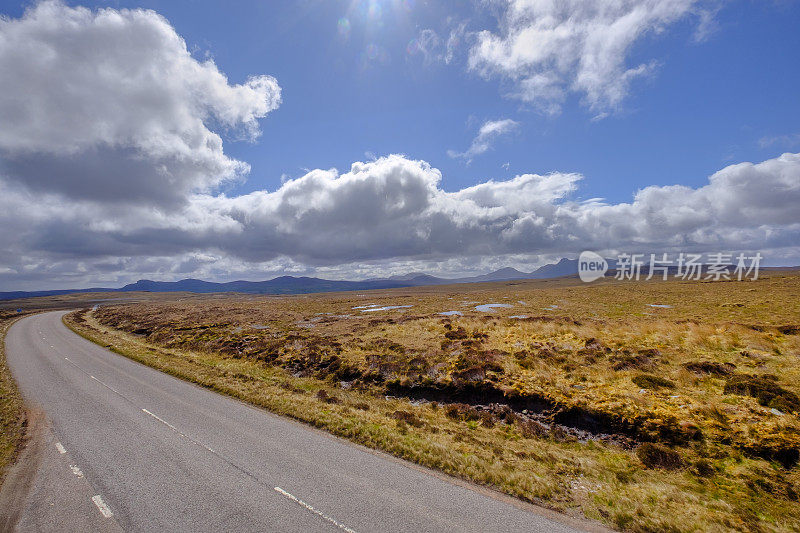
409	418
710	367
593	350
323	396
458	333
659	456
765	389
531	429
639	361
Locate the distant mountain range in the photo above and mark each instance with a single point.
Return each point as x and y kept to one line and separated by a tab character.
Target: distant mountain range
565	267
304	285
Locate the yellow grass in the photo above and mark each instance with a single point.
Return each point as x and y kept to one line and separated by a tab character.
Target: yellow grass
12	429
599	375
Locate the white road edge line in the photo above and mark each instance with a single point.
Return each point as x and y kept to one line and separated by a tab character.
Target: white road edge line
60	448
316	512
101	505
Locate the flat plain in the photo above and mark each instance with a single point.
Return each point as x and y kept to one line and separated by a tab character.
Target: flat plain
648	406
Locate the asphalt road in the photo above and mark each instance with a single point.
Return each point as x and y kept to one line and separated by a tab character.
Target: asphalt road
128	447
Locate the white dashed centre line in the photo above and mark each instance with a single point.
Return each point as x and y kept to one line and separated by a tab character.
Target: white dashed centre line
60	448
102	506
170	426
112	389
104	509
184	435
315	511
109	387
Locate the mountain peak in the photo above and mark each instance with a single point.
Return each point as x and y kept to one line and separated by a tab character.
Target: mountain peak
507	270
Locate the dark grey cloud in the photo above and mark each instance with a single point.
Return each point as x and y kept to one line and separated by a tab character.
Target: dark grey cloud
395	208
107	174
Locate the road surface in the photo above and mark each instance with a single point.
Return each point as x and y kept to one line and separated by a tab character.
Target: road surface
129	448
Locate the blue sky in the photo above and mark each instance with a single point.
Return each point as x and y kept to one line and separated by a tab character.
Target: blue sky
720	89
708	104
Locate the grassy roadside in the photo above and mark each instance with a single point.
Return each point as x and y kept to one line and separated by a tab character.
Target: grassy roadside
591	479
12	413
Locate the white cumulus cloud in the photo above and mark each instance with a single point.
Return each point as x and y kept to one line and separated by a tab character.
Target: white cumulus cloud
549	48
487	134
394	210
110	104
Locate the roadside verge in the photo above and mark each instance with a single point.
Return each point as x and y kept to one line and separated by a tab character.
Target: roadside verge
13	420
20	438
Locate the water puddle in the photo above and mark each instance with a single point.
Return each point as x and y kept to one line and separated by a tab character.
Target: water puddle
385	308
488	308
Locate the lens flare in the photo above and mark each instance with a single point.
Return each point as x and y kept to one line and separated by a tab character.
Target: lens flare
344	27
374	10
372	51
374	55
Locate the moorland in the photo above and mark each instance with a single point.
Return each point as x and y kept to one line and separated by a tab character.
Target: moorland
648	406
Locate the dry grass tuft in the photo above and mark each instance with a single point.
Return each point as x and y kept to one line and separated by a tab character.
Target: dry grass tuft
12	412
647	381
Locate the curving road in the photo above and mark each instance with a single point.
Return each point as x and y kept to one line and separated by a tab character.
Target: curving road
130	448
